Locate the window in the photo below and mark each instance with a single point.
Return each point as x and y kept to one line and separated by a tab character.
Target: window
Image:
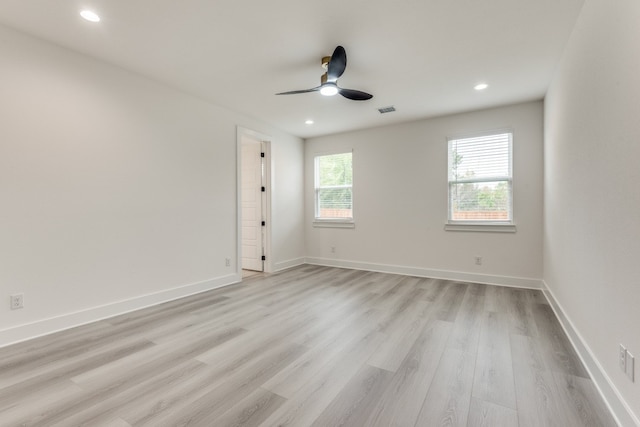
480	180
333	187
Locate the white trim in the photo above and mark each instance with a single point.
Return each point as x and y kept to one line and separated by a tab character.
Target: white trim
48	326
482	227
515	282
328	223
283	265
481	133
618	406
331	152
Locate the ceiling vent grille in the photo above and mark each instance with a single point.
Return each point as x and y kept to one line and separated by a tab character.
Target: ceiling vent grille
388	109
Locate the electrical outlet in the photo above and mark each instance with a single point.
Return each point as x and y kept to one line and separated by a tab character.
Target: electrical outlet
630	365
622	358
227	262
478	260
333	249
16	301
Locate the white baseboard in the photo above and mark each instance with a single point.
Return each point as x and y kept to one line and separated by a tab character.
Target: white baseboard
279	266
617	405
66	321
516	282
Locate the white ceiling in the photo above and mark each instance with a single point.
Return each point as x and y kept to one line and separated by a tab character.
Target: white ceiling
421	56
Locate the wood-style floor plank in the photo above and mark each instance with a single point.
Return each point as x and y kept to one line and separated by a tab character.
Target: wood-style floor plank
252	410
401	336
580	401
106	406
487	414
537	402
468	323
354	403
451	301
310	346
559	354
321	358
449	397
493	381
308	402
522	319
402	401
213	404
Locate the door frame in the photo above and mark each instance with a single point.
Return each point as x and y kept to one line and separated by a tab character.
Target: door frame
266	208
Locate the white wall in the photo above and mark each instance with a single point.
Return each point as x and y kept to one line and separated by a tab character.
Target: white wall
116	190
287	204
592	193
400	201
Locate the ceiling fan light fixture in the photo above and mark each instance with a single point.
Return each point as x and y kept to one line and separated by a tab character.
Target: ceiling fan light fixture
90	16
329	89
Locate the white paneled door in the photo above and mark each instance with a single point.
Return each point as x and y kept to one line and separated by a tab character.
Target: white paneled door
252	204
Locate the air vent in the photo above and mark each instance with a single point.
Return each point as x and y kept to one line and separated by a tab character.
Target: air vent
388	109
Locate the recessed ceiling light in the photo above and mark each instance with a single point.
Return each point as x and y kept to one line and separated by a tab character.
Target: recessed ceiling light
308	122
481	86
90	16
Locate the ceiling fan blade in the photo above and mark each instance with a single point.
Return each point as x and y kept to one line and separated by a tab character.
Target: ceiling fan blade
294	92
337	64
355	95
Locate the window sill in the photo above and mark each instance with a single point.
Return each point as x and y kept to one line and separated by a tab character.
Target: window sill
485	227
328	223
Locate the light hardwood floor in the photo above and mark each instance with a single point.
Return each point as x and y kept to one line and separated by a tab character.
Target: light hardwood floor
311	346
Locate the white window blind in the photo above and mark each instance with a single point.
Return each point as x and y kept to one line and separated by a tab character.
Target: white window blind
333	186
480	179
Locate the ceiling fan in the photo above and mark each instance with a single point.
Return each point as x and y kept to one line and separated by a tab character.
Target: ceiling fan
335	65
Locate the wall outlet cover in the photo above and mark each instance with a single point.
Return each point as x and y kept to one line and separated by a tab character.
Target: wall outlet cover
630	362
622	358
16	301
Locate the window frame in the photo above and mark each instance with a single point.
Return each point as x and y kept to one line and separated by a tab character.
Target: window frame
486	225
347	222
